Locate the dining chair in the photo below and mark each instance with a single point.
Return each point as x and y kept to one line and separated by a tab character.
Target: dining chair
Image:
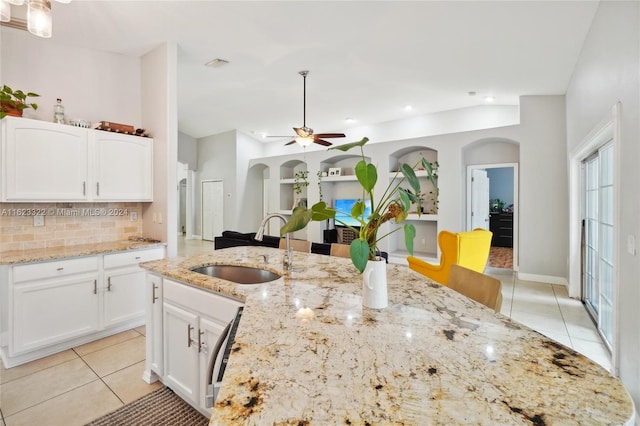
340	250
479	287
469	249
296	245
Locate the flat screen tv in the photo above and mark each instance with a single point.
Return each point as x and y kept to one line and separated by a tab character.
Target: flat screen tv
343	213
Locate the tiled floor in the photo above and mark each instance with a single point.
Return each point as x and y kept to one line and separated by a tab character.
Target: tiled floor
75	386
80	384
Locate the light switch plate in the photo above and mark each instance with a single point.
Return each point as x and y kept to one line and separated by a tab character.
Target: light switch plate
133	216
631	245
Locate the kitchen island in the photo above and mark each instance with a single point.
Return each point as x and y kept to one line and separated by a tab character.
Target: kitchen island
307	352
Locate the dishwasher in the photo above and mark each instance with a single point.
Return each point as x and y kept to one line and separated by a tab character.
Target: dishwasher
222	348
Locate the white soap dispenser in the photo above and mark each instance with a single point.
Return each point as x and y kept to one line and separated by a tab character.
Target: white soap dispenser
58	112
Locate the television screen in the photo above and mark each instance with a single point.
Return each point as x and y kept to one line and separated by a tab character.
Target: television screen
343	211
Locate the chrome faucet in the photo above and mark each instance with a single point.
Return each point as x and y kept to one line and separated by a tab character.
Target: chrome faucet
287	261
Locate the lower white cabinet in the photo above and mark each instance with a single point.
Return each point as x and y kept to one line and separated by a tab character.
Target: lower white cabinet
193	320
51	306
46	312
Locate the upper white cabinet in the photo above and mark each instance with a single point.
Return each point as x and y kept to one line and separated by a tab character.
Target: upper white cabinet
44	161
124	167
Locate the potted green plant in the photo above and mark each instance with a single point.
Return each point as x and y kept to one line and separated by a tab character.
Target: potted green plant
300	181
14	102
394	204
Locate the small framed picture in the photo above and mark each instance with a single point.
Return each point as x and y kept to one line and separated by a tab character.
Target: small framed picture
334	171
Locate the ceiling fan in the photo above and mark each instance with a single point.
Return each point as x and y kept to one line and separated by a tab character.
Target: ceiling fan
304	135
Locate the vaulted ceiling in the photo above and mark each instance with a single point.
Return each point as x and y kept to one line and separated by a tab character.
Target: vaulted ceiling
367	59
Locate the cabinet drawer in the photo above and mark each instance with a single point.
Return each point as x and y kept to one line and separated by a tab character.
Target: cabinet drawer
204	302
132	257
59	268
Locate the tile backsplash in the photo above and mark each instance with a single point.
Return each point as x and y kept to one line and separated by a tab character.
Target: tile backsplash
67	224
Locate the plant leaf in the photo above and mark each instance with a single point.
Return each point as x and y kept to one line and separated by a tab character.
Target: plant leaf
300	217
321	212
346	147
410	175
359	251
405	198
427	166
367	175
409	235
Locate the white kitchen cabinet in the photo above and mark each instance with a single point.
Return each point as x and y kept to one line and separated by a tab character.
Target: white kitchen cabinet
193	322
123	167
124	285
48	307
48	162
47	311
154	362
43	161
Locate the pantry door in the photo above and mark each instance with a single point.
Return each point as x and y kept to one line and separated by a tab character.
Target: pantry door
212	208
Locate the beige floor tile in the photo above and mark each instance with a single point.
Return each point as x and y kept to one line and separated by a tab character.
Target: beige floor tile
97	345
116	357
128	384
558	337
2	423
550	324
561	291
45	384
583	332
595	351
74	408
142	330
7	375
536	305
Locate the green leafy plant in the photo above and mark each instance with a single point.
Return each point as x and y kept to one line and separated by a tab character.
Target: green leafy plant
10	99
300	181
394	204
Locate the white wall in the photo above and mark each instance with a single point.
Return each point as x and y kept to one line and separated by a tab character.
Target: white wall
93	85
543	194
188	150
247	216
608	71
217	160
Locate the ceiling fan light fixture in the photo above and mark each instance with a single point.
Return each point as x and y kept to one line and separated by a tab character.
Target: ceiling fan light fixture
14	2
304	141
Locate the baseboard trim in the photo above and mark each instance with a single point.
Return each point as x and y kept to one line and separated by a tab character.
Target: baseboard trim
549	279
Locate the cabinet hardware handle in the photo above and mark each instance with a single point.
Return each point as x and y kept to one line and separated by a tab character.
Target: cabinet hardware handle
95	286
60	269
98	188
153	293
109	284
189	340
84	188
200	342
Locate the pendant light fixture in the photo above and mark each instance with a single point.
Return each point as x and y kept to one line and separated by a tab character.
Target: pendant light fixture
39	20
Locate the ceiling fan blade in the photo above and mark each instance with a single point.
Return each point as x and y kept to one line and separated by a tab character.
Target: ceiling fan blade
322	142
329	135
289	143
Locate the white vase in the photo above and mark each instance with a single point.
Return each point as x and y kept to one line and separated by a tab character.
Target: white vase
374	284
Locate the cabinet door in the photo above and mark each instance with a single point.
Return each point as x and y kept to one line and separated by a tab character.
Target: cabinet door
123	167
50	312
44	161
209	333
181	352
153	301
123	296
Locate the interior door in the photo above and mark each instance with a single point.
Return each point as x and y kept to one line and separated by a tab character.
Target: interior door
479	199
212	208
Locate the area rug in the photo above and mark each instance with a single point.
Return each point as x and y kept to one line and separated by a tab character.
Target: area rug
161	407
501	257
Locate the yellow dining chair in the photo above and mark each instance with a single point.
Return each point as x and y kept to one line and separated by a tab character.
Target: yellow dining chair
340	250
296	245
479	287
469	249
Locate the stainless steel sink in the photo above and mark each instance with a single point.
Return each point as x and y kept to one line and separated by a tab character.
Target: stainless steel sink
238	274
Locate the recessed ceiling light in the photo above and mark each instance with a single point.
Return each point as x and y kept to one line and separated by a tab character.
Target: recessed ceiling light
489	98
217	62
350	120
408	108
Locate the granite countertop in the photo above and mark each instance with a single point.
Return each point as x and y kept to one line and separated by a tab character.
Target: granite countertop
307	352
62	252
